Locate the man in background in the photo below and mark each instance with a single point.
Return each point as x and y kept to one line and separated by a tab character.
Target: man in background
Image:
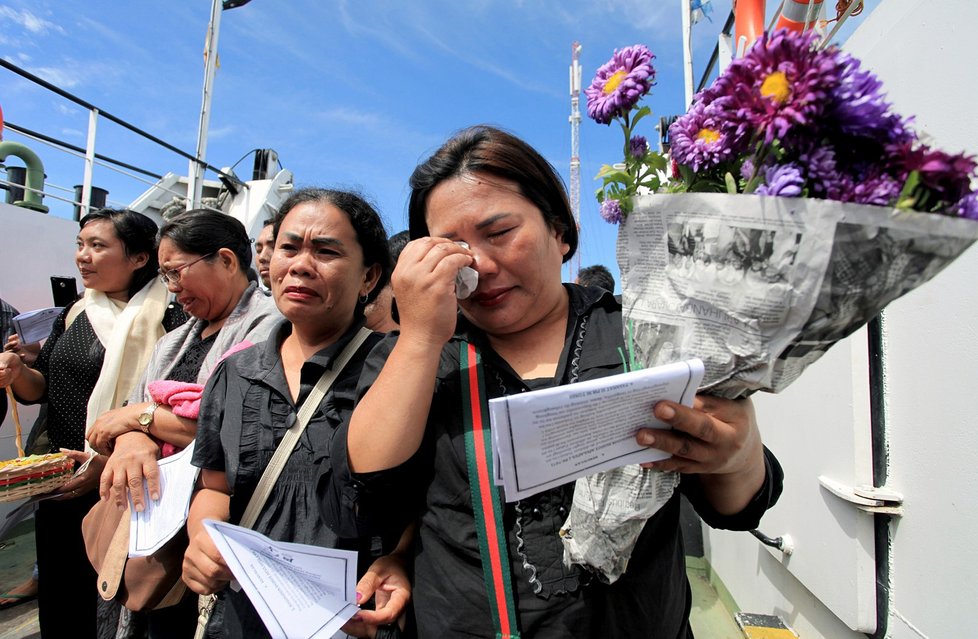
264	246
378	313
597	275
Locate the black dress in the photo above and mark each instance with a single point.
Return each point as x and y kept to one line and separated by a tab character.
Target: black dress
246	409
70	361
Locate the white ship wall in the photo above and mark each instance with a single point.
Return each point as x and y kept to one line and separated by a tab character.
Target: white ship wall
33	247
925	53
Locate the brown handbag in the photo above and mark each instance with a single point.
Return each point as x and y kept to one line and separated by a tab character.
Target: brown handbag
138	583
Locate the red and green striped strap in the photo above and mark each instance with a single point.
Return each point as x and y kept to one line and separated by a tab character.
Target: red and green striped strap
486	506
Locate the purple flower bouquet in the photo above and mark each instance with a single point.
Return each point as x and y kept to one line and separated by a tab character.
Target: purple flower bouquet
800	206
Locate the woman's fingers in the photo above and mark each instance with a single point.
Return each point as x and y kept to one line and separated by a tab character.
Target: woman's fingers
10	366
706	438
204	570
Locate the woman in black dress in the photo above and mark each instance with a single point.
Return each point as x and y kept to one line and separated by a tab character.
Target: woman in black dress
411	444
96	351
330	260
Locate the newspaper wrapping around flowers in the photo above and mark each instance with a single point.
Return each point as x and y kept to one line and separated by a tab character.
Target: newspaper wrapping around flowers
759	287
608	514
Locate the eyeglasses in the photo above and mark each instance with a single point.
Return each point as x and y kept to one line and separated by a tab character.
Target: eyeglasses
172	276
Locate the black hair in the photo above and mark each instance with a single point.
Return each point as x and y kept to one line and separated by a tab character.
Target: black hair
137	234
205	232
397	243
486	149
366	223
597	275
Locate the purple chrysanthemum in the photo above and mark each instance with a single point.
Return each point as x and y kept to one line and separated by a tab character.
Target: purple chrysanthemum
784	180
620	83
945	178
638	146
701	138
747	169
611	211
858	106
779	88
968	206
880	189
820	168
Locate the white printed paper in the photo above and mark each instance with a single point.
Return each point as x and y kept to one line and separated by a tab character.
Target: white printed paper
300	591
162	519
549	437
33	326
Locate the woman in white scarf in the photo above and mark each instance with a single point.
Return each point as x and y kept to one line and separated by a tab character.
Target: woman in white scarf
97	350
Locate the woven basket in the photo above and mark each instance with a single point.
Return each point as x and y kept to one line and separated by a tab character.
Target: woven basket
34	475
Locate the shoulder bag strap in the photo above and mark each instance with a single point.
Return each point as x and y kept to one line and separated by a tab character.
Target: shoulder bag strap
287	445
486	507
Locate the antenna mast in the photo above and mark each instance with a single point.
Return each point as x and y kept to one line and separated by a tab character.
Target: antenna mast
575	161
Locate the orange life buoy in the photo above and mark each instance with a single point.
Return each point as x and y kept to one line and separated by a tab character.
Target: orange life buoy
749	23
799	15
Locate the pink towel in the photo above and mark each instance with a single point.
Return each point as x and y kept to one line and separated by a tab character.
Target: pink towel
183	397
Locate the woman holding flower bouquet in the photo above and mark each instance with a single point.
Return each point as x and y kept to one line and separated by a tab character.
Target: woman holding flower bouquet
407	438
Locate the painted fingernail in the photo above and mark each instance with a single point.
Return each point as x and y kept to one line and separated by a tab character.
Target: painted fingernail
359	596
357	617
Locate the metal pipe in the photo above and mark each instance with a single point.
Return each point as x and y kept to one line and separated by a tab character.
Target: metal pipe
727	27
35	174
195	186
86	194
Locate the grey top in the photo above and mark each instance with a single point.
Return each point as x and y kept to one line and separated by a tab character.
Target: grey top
252	319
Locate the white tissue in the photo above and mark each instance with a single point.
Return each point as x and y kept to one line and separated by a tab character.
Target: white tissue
466	280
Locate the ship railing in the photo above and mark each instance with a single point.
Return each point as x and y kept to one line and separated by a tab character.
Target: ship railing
83	200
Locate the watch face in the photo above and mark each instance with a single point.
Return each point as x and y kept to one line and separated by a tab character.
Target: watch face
145	418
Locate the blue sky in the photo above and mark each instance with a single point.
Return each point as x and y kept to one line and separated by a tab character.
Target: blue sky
348	93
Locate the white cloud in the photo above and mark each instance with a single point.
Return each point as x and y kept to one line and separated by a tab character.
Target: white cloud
74	133
32	23
220	132
60	77
457	32
353	117
385	34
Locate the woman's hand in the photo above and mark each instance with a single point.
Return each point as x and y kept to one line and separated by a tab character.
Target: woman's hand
204	570
424	288
133	460
86	480
26	352
387	582
719	440
10	368
113	423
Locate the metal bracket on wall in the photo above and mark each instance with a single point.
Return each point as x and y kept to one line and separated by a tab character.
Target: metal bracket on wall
866	498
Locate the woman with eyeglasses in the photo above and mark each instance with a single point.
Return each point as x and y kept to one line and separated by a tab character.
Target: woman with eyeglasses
205	262
97	350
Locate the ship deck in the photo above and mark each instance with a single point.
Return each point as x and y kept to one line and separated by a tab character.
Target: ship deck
710	617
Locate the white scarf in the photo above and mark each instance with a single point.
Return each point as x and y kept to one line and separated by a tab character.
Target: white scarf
128	331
